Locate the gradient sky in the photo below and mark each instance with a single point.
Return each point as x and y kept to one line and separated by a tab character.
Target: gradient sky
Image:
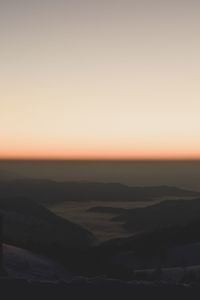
99	79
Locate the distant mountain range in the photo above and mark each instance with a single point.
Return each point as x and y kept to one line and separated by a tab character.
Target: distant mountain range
6	175
47	191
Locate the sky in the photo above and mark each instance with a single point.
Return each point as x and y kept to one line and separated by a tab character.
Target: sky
88	79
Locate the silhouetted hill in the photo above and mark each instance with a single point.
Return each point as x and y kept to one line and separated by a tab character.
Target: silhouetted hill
30	225
156	239
48	191
165	214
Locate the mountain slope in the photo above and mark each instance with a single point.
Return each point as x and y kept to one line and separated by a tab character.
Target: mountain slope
28	224
162	215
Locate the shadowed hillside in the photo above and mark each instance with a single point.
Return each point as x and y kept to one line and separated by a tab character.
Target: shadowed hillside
32	226
161	215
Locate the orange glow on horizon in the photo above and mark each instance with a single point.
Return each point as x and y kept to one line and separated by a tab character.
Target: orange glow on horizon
110	80
45	154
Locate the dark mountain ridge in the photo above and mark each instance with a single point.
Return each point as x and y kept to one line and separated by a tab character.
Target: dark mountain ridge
47	191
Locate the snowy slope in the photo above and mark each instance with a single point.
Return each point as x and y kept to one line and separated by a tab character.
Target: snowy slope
20	263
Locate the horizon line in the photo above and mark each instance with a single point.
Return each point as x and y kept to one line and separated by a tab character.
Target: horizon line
98	159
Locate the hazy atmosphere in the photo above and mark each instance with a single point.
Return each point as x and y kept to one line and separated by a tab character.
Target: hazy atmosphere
135	173
100	79
100	149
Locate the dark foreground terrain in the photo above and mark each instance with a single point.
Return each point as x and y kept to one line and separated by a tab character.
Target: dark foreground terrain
96	289
160	259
